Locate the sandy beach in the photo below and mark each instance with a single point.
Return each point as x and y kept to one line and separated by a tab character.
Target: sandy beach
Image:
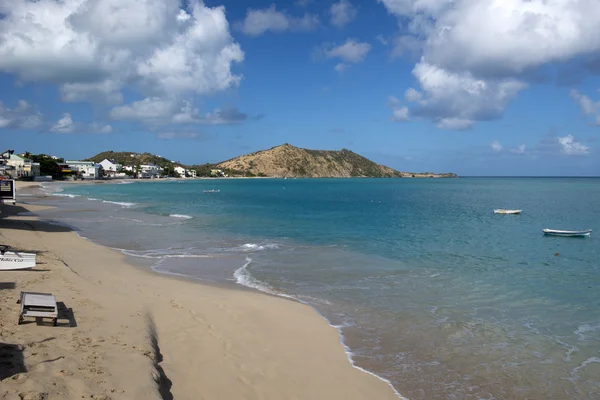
127	333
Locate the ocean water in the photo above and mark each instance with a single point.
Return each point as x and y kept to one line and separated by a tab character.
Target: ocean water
429	289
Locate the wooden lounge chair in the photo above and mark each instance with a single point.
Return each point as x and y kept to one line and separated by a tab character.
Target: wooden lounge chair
38	305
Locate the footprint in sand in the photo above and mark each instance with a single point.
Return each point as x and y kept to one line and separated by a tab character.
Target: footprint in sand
176	305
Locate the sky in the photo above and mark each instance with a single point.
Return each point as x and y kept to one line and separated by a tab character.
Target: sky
475	87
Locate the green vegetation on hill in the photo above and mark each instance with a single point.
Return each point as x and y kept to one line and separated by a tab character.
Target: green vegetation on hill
131	158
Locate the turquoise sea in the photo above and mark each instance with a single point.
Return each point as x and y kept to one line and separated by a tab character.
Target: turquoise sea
429	289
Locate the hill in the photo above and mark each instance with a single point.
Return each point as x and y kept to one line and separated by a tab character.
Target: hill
132	158
280	161
289	161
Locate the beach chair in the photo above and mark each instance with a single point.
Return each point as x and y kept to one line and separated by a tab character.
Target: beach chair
38	305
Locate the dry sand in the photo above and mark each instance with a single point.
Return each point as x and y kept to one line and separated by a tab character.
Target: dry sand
127	333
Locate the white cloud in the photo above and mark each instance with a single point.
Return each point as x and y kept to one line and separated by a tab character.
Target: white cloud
587	105
351	51
151	46
455	124
156	111
99	128
226	116
22	116
496	146
151	110
412	95
394	101
381	39
341	67
342	13
497	43
259	21
66	125
458	100
571	147
108	91
400	114
520	149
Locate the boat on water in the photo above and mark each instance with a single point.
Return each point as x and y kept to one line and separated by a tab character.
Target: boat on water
11	260
555	232
212	191
503	211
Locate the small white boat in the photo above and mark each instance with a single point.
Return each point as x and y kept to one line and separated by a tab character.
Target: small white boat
10	260
503	211
212	191
554	232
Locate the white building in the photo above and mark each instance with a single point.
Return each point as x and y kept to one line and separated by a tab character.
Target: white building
185	173
150	171
180	170
110	166
87	169
20	167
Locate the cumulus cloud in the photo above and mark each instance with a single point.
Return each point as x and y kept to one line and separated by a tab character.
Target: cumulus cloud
399	113
156	111
571	147
226	116
66	125
493	44
496	146
22	116
381	39
154	47
352	51
588	106
456	101
260	21
454	124
342	13
412	95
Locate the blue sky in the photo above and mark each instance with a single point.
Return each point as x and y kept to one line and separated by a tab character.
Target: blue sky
475	87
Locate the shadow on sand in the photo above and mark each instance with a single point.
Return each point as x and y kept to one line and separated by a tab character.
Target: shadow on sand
12	361
163	383
7	285
67	313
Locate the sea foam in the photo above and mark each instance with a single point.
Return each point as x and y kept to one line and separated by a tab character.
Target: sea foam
72	196
120	203
181	216
258	247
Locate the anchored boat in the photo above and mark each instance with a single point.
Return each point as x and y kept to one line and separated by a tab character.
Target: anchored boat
555	232
503	211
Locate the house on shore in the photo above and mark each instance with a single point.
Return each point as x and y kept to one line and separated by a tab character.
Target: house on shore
86	169
149	171
185	173
20	167
111	167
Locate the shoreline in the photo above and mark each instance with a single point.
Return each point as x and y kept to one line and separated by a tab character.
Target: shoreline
203	351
